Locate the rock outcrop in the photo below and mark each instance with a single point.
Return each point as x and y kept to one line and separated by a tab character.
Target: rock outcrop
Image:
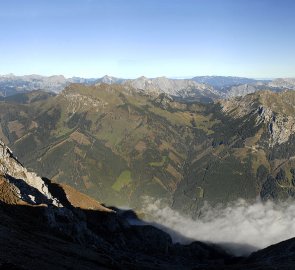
273	110
28	186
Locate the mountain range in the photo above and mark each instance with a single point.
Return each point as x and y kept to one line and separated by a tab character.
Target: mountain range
201	88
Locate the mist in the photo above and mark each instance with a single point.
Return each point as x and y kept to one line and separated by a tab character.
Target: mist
240	227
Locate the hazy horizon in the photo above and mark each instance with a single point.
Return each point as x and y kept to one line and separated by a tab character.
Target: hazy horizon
132	78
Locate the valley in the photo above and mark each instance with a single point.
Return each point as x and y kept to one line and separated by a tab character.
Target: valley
118	144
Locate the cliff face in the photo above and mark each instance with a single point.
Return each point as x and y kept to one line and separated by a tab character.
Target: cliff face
274	110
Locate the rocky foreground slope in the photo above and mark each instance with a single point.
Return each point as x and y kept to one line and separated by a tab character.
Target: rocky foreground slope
44	225
47	226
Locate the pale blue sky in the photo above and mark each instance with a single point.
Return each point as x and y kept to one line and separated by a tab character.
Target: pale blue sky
130	38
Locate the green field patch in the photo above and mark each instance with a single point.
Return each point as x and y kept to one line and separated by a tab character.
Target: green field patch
159	163
123	180
199	192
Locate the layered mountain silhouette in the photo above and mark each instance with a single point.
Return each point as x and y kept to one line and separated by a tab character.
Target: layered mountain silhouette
200	88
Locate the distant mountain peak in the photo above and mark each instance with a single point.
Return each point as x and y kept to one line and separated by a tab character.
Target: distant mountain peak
9	75
107	77
142	78
109	80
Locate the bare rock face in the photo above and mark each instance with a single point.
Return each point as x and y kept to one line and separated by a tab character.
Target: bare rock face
29	187
276	111
288	83
174	87
280	127
241	90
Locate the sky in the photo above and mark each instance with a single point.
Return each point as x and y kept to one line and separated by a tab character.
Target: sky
131	38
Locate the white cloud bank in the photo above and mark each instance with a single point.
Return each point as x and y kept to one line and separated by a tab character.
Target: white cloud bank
240	227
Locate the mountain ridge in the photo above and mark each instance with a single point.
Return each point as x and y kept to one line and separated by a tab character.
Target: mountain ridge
202	88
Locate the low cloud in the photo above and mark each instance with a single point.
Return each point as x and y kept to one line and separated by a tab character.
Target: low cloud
240	227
